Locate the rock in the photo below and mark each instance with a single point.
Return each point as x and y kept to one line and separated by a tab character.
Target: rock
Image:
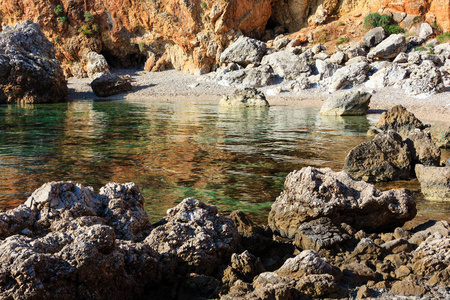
364	292
374	36
319	17
393	75
356	60
407	288
366	249
29	71
247	78
423	231
440	134
424	80
425	31
314	193
280	42
414	58
96	64
424	151
402	272
349	104
247	265
244	51
338	58
317	286
326	68
432	255
194	233
384	158
355	49
321	56
401	58
358	273
286	64
389	48
397	246
299	84
399	119
105	85
248	97
443	49
348	76
434	182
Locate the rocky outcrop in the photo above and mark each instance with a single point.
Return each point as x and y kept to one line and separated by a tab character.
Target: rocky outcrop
314	193
244	51
400	120
424	150
29	71
248	97
434	182
96	64
389	48
425	80
105	85
374	36
287	64
349	104
348	76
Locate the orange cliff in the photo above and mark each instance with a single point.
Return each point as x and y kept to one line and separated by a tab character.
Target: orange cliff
187	35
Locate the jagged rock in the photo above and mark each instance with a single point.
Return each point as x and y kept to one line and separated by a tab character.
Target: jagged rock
374	36
414	58
401	58
338	58
349	104
425	31
197	235
326	68
247	78
246	265
443	49
440	134
280	42
423	149
399	119
393	75
384	158
407	288
355	49
425	79
398	246
244	51
319	17
314	193
358	273
287	64
356	60
29	71
248	97
348	76
321	56
366	249
299	84
434	182
432	255
96	64
423	231
389	48
105	85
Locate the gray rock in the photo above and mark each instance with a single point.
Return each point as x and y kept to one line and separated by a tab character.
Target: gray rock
326	68
348	76
287	64
355	49
338	58
247	78
374	36
349	104
434	182
105	85
424	80
280	42
356	60
423	149
413	41
96	64
321	55
401	58
440	134
389	48
425	31
244	51
247	97
393	75
297	85
29	71
414	58
399	119
311	193
432	43
384	158
443	49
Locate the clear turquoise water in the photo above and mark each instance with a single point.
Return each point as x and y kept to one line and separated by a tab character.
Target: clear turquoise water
235	159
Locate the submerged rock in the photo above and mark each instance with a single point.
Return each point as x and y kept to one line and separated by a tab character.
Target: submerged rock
349	104
29	71
314	193
105	85
247	97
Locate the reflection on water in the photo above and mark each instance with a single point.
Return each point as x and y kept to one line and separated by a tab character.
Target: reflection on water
235	159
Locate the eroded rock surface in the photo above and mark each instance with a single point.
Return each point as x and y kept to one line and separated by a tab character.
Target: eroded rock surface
247	97
434	182
350	104
399	119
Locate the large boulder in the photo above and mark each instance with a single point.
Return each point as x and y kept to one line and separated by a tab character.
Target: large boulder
105	85
424	150
425	31
434	182
244	51
349	104
96	64
398	118
425	80
348	76
374	36
246	78
311	194
287	64
29	71
440	134
392	75
389	48
433	255
384	158
248	97
197	235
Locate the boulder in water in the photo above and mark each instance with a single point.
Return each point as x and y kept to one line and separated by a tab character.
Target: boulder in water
349	104
247	97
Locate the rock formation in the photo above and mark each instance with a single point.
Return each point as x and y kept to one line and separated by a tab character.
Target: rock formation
400	120
434	182
248	97
105	85
349	104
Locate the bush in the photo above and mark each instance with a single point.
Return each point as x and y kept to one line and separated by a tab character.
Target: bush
203	4
141	47
88	17
58	9
444	37
63	19
419	48
394	29
384	21
372	20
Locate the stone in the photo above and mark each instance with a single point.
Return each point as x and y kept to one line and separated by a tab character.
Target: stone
407	288
432	255
197	235
354	49
247	265
286	64
397	246
364	292
424	80
247	78
384	158
326	68
248	97
388	48
317	286
424	150
398	118
280	42
358	273
319	17
374	36
338	58
414	58
434	182
349	104
348	76
401	58
310	194
29	70
425	31
443	49
244	51
96	64
366	249
402	271
390	76
440	134
105	85
423	231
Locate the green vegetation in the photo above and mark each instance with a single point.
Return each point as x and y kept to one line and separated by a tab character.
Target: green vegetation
385	21
203	4
141	46
420	48
417	19
444	37
323	37
88	17
70	63
341	24
394	29
20	12
88	30
63	19
56	40
59	10
341	40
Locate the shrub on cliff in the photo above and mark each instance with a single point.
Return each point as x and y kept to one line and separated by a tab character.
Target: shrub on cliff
376	20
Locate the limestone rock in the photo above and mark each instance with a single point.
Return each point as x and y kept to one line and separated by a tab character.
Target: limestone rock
349	104
399	119
424	150
29	71
244	51
105	85
425	31
319	17
248	97
374	36
440	134
424	80
434	182
348	76
384	158
280	42
314	193
392	75
432	255
338	58
247	78
96	64
326	68
195	234
286	64
389	48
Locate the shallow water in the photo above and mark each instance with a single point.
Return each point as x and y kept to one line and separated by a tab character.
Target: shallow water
235	159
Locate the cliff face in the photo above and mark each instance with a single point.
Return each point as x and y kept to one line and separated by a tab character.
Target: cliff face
188	35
